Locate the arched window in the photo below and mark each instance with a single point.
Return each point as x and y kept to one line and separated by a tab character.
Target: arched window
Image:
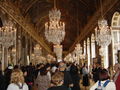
115	24
116	20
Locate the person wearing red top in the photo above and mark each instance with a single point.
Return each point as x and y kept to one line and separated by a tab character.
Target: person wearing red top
116	77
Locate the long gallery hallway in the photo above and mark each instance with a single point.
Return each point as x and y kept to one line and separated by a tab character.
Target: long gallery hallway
59	44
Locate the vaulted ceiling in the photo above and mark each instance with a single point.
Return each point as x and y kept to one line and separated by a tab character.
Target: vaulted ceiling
75	14
80	17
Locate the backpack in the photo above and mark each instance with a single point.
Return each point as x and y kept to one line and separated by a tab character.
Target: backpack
104	85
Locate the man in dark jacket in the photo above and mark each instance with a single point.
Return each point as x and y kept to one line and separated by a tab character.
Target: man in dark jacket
2	80
67	77
96	72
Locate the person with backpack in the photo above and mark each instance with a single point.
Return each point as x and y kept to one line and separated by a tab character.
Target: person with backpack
104	83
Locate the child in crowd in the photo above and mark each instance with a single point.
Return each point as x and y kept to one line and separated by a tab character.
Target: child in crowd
57	82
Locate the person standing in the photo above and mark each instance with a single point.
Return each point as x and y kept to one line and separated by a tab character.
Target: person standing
42	82
2	80
95	71
85	76
75	77
67	77
57	82
17	81
116	77
104	82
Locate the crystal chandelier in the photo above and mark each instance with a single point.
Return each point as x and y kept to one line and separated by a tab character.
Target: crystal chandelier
58	51
69	58
50	58
37	50
103	33
7	39
55	29
78	49
7	35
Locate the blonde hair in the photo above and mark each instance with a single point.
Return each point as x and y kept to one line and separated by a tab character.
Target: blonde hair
17	76
57	78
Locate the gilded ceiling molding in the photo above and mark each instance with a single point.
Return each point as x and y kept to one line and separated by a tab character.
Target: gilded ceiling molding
107	6
29	5
15	14
40	18
45	16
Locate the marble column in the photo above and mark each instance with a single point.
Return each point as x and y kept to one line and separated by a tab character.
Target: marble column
3	63
88	52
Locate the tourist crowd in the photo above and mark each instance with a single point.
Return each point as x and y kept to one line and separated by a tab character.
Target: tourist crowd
59	76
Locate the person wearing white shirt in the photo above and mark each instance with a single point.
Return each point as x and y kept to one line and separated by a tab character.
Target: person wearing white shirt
17	81
104	83
14	86
53	69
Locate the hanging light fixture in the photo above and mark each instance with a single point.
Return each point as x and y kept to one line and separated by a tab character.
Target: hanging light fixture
78	49
7	34
103	32
58	51
37	50
103	38
55	29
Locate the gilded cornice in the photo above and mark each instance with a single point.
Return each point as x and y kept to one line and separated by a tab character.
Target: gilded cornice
29	5
107	6
16	15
